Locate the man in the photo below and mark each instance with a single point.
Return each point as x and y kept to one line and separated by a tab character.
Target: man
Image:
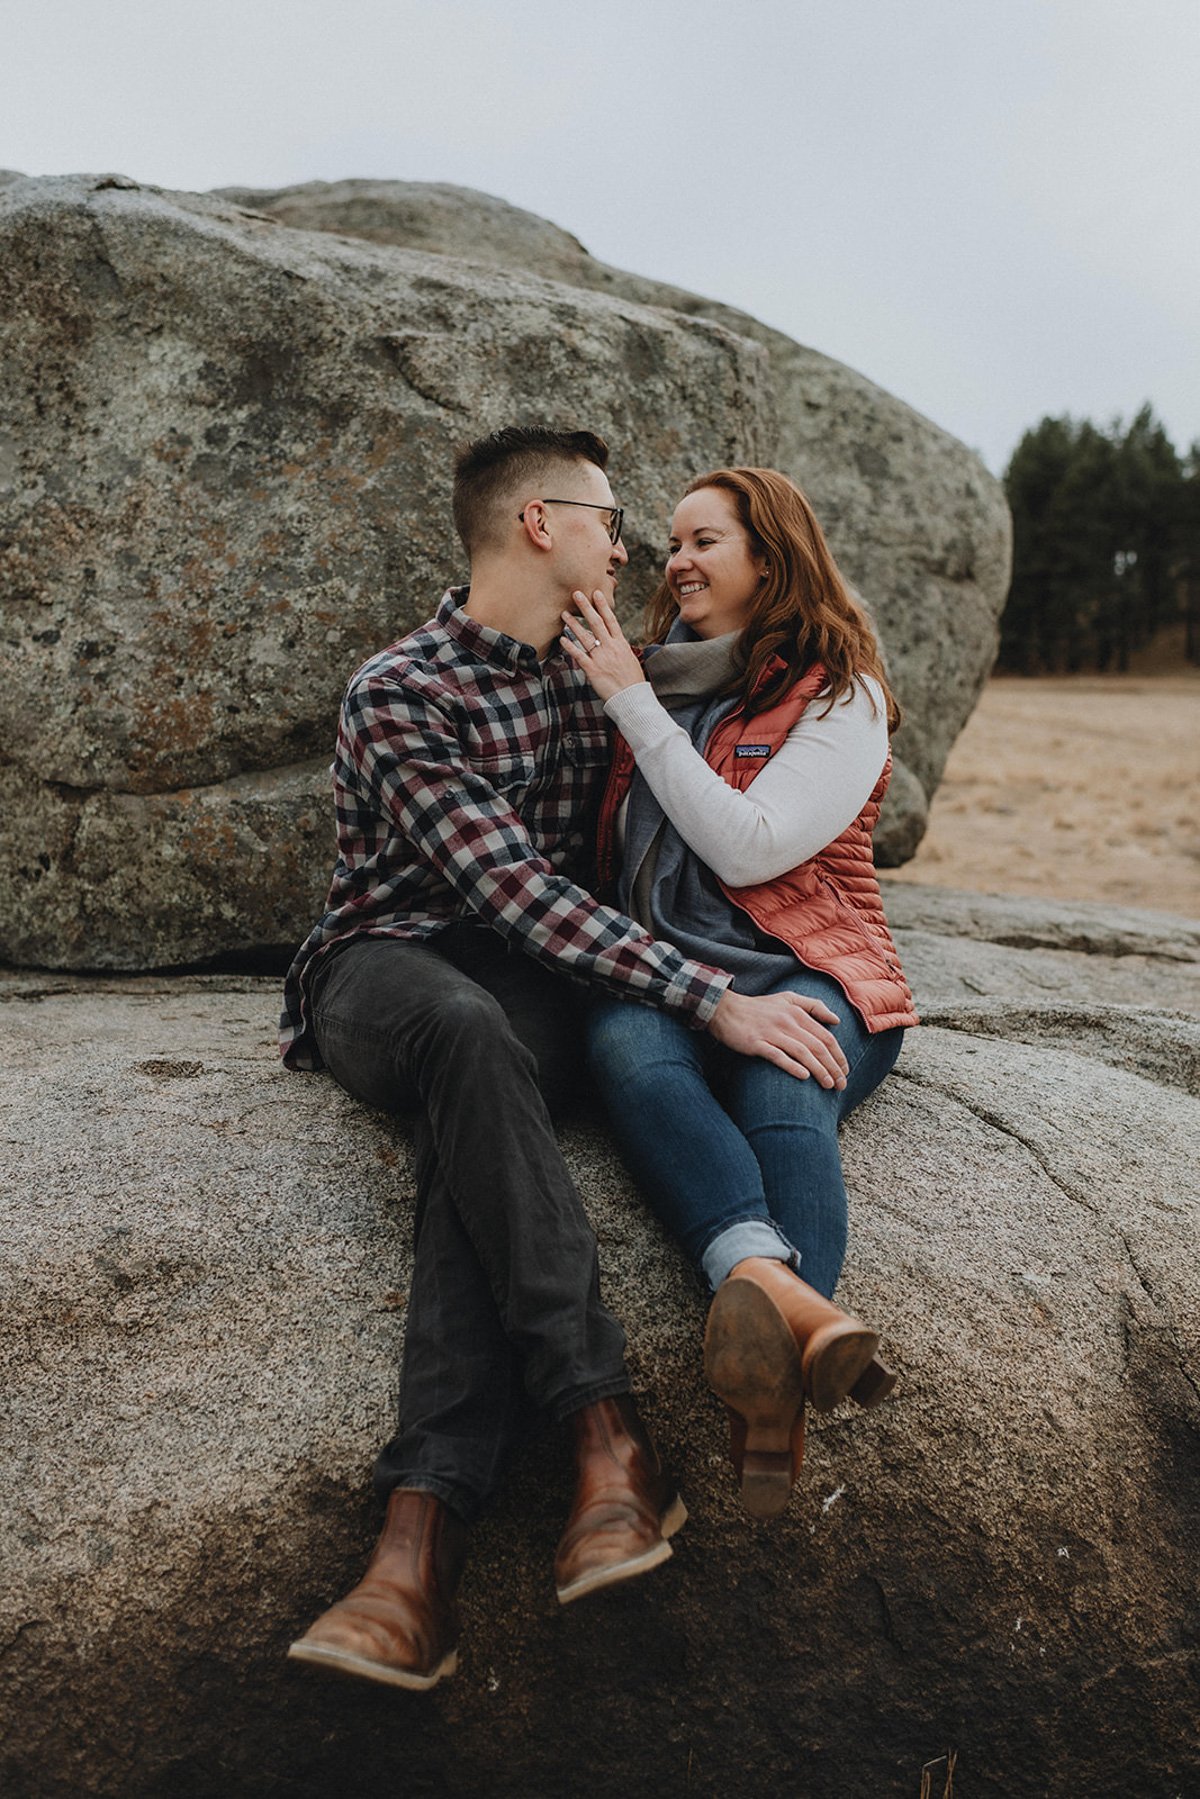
468	758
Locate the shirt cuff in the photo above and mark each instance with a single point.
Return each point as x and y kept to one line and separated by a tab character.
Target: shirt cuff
702	996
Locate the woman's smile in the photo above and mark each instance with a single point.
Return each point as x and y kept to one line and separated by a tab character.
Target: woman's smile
712	568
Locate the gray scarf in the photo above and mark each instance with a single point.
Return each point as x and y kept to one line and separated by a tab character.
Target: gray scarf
683	672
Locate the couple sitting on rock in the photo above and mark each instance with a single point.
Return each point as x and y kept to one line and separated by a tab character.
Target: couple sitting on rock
744	996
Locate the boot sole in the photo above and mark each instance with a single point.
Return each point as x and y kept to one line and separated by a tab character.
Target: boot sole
673	1519
342	1661
749	1349
751	1363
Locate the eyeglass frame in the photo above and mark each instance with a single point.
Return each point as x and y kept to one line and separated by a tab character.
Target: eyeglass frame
618	514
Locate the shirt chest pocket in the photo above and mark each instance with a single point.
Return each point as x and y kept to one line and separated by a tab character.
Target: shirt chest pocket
585	743
509	775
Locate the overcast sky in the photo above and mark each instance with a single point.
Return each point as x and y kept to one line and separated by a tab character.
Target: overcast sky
993	210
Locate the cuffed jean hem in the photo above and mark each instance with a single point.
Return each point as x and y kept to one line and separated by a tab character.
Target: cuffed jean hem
748	1237
561	1409
465	1506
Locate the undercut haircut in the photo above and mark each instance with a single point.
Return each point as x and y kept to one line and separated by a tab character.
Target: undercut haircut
491	471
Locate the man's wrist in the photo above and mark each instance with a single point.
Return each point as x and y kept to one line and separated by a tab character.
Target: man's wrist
713	993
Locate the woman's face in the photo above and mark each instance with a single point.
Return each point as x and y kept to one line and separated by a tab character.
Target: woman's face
711	569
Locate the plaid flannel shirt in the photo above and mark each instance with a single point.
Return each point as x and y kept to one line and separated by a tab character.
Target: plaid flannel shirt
465	784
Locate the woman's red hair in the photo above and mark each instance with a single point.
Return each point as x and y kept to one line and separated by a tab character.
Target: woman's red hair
803	612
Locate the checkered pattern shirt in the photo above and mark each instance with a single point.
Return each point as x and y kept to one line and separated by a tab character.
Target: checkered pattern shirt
465	782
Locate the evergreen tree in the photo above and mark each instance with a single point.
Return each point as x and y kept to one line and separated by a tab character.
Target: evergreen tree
1189	538
1106	539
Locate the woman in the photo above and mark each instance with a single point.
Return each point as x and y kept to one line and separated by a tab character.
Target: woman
751	762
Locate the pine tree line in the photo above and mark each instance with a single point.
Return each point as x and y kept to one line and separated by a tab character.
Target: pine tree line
1106	545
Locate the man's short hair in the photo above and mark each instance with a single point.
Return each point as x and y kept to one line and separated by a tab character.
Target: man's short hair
490	471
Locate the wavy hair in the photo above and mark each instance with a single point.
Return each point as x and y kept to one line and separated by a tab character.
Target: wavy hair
803	612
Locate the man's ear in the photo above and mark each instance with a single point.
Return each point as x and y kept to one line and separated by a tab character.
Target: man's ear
536	522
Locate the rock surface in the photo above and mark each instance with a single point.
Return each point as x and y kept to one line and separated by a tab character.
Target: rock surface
202	1305
918	524
225	453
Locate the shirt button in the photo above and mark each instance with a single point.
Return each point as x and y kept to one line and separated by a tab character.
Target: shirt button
569	742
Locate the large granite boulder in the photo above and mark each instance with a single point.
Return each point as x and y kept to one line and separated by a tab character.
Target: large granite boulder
201	1309
225	452
916	521
224	456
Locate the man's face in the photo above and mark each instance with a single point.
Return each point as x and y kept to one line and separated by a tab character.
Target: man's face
585	556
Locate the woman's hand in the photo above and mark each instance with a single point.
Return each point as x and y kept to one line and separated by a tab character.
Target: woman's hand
785	1028
599	646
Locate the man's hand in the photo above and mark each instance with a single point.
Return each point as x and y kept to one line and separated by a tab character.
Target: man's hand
785	1028
596	643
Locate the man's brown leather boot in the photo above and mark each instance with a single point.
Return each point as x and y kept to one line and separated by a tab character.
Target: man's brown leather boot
625	1507
399	1625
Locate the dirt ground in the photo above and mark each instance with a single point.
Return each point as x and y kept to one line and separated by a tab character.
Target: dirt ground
1076	787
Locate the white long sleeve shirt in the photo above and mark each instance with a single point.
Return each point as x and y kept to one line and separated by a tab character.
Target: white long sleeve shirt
815	784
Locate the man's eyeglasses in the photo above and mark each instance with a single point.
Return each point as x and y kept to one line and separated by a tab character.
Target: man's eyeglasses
616	514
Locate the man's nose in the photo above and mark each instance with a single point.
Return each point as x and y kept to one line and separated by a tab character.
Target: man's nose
620	554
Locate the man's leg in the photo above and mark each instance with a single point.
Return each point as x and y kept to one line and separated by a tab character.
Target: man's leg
505	1261
505	1294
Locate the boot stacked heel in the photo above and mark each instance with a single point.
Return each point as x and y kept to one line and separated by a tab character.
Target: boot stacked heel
874	1385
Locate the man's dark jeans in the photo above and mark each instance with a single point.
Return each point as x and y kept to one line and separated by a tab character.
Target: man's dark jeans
504	1307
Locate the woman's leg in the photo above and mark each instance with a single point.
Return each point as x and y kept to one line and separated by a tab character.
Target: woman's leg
791	1126
689	1158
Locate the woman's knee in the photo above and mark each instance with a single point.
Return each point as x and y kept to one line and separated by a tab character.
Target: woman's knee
762	1094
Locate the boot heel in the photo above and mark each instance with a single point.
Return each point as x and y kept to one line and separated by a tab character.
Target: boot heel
835	1359
766	1482
873	1386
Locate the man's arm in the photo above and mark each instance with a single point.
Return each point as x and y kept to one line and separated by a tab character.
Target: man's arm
412	768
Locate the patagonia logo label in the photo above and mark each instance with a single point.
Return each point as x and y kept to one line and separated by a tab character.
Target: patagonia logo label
755	752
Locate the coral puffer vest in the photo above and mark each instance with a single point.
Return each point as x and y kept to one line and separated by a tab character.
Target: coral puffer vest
828	911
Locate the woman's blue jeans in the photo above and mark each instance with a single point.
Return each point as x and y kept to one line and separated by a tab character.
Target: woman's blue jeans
737	1157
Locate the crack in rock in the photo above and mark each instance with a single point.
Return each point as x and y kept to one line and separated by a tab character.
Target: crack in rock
996	1122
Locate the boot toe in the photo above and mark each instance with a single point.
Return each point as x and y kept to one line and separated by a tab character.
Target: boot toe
608	1546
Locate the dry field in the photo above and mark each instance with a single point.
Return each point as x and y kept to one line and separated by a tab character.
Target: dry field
1075	787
